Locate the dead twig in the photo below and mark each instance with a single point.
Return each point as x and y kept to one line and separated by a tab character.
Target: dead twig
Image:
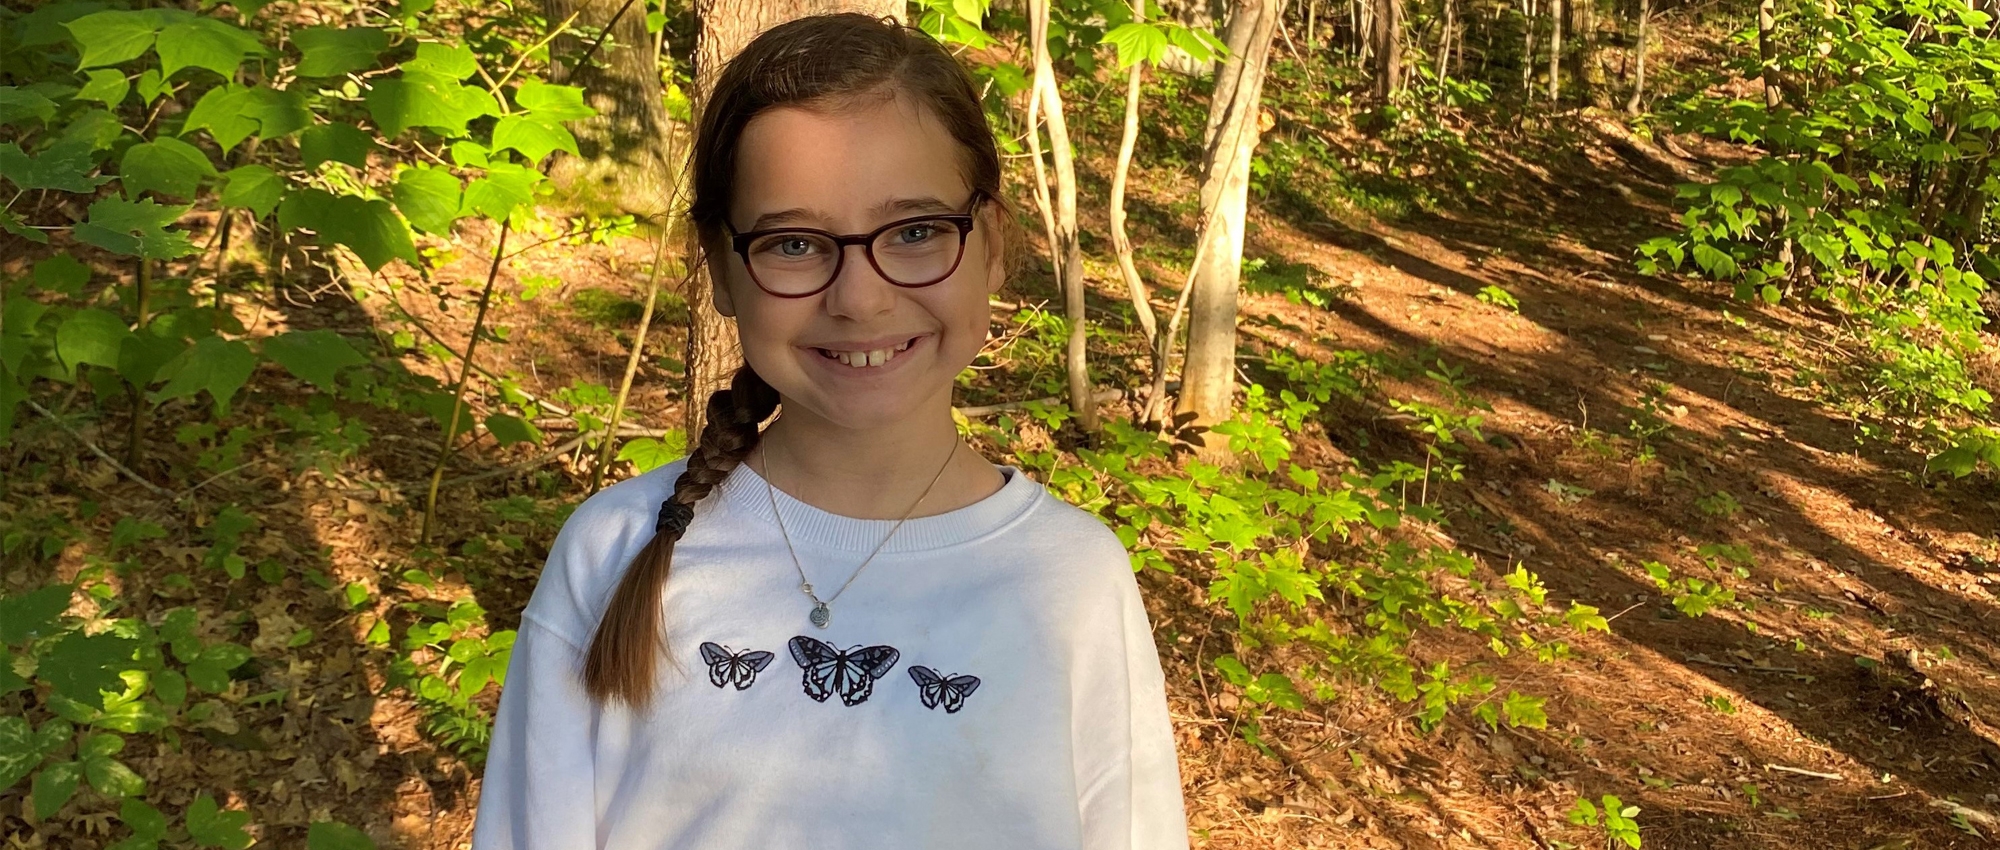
1102	397
1800	771
155	489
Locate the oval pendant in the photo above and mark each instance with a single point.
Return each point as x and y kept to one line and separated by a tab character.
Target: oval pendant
821	615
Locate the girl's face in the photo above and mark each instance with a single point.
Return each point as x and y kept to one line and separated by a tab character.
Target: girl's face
863	353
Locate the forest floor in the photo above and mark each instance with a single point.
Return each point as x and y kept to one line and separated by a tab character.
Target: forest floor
1848	703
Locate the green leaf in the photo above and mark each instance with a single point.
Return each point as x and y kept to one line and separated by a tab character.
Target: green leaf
90	336
421	99
65	166
134	717
171	686
209	826
314	356
20	750
213	365
552	102
329	835
205	43
112	778
647	454
448	60
144	354
145	821
54	785
19	103
1137	42
97	128
429	198
135	229
533	137
333	51
1233	670
111	37
32	614
107	87
505	187
1586	618
80	665
61	274
1524	710
253	187
101	744
335	143
224	111
165	166
369	228
10	681
509	430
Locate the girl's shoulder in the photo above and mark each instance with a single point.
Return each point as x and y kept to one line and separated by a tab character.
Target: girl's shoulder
593	549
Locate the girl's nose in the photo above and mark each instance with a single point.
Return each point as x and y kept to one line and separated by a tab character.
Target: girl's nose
859	291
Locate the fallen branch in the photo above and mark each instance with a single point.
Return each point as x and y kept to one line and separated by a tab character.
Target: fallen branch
155	489
1730	665
625	429
1104	397
1803	772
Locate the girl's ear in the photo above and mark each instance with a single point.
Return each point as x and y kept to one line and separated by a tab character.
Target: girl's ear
718	271
996	246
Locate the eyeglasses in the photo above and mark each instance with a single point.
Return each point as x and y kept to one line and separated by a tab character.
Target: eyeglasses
795	262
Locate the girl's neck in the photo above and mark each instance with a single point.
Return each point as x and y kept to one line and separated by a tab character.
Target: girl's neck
877	473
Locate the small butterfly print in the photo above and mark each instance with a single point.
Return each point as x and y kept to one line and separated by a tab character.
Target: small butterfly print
936	688
725	667
851	674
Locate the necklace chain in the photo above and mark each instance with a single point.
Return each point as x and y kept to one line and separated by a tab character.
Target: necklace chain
822	611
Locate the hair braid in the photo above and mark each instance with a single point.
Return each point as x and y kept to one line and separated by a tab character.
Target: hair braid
621	661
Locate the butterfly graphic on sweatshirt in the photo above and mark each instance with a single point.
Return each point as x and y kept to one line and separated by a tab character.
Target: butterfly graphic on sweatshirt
937	689
851	674
741	668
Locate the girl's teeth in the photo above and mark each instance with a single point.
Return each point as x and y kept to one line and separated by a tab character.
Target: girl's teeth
864	359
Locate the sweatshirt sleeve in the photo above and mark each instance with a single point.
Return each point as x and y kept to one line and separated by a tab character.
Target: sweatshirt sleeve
1128	776
539	788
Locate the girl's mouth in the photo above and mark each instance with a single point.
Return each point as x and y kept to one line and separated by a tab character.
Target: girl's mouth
868	359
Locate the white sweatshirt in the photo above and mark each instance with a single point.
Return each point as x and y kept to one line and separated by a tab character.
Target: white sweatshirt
869	733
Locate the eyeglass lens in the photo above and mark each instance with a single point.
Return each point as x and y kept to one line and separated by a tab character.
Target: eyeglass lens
912	253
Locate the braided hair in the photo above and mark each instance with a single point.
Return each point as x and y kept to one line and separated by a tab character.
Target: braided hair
622	655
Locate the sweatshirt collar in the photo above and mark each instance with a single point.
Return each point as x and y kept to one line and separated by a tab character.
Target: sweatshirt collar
744	491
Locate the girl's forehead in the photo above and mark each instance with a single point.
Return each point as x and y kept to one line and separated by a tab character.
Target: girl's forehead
844	156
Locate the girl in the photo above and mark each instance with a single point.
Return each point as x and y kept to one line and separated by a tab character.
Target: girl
872	637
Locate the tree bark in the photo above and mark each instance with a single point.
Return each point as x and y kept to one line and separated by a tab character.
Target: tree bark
1639	58
1209	374
1387	45
623	167
1063	241
1443	66
1528	20
1586	65
1121	241
1767	52
726	27
1555	50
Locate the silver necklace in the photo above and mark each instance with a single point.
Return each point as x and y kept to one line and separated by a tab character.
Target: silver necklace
822	610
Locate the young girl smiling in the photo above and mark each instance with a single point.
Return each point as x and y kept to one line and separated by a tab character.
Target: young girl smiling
872	637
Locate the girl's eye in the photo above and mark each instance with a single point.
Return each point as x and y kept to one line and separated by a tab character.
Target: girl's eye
795	247
787	247
916	233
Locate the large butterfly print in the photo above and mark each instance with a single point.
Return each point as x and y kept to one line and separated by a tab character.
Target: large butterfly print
937	689
725	667
851	674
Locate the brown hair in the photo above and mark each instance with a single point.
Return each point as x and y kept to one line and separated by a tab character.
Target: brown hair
823	61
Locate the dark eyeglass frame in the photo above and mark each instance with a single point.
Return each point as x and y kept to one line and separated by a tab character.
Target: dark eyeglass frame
740	242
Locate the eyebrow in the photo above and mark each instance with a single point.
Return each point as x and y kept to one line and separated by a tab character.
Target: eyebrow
798	215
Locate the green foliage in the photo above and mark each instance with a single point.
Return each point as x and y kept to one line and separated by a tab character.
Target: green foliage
1619	821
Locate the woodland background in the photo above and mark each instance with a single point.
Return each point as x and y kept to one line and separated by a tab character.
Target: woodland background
1536	423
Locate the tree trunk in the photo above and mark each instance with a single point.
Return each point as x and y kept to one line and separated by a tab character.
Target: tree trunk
1387	45
1443	65
1208	378
1528	20
623	167
1767	51
1586	65
726	26
1639	58
1121	241
1063	241
1555	50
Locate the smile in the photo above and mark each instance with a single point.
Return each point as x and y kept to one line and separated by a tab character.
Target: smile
867	359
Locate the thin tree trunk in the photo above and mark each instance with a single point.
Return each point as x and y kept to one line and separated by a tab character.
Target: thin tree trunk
1639	58
1064	244
1528	20
624	160
1587	69
1443	65
1208	378
1121	241
1388	48
1555	50
726	26
1767	51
